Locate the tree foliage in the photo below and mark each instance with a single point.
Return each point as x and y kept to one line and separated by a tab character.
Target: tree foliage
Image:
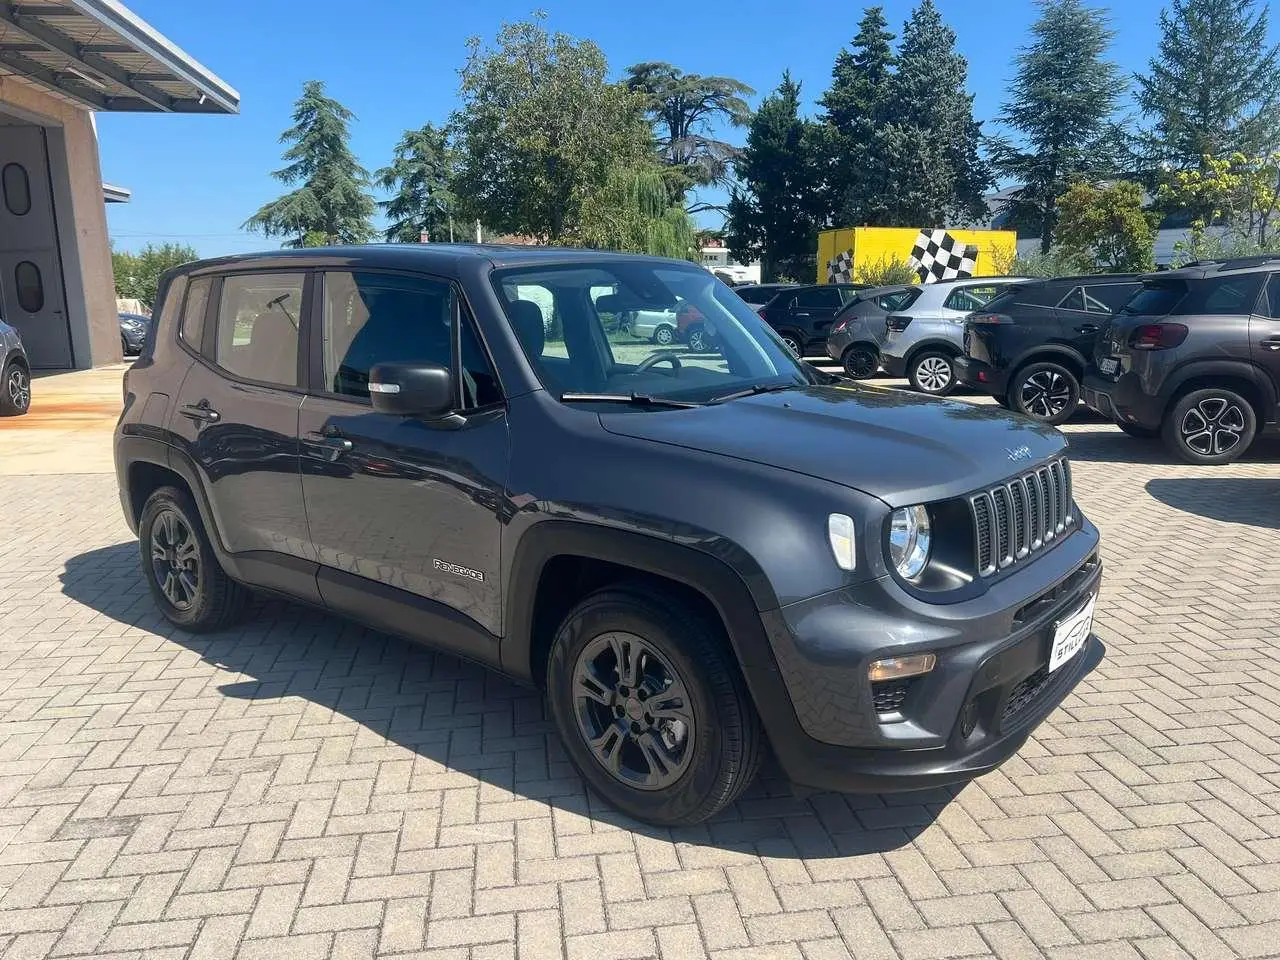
633	211
1237	192
899	143
541	130
684	109
332	201
1212	88
1060	107
138	274
1106	227
773	215
419	175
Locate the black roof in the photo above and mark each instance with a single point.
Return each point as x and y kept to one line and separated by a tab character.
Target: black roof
1199	269
1089	278
437	257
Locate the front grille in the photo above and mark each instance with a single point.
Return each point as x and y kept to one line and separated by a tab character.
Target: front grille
1022	516
1024	693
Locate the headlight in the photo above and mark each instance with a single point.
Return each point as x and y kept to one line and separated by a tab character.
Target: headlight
909	540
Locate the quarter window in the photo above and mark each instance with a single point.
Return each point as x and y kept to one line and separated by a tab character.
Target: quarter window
257	333
192	327
29	286
17	189
1271	298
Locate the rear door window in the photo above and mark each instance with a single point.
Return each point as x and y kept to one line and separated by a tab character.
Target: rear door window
971	298
818	298
1110	297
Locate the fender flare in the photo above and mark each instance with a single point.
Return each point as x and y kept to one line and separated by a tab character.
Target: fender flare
1046	353
933	343
1234	369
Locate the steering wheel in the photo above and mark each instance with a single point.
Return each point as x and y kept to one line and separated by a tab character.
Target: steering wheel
648	363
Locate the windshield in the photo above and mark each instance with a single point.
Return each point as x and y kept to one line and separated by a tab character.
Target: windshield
643	327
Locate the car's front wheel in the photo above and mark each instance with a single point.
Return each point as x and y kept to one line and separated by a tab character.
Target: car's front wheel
15	389
794	342
184	576
1048	392
931	372
860	361
1211	426
651	706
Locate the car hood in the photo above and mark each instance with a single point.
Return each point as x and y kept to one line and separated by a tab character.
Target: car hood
901	447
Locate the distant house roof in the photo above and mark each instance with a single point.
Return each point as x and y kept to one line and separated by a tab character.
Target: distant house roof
98	54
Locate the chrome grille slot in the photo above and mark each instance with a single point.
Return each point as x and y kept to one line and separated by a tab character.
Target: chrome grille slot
1017	519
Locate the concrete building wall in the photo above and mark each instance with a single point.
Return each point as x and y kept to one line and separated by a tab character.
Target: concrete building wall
81	218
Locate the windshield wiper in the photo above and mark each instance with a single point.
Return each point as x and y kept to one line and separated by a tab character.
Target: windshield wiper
753	391
637	399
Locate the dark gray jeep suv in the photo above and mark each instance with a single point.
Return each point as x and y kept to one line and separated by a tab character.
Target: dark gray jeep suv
693	554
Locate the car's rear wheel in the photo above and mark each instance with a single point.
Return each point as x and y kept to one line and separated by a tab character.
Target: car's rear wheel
1211	426
665	335
700	340
185	578
931	372
15	389
651	706
860	361
794	342
1045	391
1139	432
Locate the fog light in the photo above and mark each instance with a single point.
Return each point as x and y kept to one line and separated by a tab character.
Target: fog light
896	668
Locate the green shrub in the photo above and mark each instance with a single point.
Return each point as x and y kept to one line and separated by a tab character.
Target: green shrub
887	271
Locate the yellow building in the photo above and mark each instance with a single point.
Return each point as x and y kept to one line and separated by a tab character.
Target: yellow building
936	254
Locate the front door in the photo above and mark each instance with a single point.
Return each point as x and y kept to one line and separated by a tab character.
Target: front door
31	294
412	505
1264	337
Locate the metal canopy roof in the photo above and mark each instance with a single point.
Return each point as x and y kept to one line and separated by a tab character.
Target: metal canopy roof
99	55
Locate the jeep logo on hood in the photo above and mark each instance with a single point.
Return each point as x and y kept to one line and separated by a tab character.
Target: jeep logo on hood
1018	454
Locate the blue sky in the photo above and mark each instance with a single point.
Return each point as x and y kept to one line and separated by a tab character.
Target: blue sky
195	179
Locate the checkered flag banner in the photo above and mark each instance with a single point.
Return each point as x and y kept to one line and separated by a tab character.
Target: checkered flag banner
840	270
938	255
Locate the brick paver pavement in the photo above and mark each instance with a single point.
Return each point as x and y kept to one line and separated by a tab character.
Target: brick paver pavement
299	787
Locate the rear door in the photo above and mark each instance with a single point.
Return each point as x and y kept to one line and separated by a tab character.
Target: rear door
1264	335
812	311
237	410
1083	312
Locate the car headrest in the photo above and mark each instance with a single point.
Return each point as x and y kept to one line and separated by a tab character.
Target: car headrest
526	318
611	303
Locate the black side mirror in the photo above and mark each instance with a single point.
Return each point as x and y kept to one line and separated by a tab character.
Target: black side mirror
423	390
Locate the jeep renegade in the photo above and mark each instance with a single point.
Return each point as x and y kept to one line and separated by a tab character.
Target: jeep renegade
693	554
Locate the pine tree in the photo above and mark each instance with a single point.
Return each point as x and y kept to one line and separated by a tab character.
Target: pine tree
332	203
1061	105
773	215
1212	90
419	174
854	107
929	139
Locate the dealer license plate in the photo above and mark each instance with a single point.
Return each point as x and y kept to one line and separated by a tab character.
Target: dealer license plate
1070	635
1109	365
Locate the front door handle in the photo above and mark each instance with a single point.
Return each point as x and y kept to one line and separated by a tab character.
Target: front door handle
200	412
1087	328
1272	343
331	439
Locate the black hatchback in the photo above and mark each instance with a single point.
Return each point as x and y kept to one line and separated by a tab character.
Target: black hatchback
1030	346
802	316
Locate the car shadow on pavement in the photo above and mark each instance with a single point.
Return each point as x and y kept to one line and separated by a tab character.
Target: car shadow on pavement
459	718
1106	443
1248	500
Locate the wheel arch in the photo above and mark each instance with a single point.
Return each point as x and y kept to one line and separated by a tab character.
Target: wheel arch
934	344
1250	382
1051	353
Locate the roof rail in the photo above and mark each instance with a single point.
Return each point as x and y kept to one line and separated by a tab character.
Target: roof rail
1237	263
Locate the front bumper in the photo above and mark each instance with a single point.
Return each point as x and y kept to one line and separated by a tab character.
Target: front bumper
981	376
989	689
1122	400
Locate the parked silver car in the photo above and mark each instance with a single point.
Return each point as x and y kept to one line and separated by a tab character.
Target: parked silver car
15	373
657	326
859	329
923	339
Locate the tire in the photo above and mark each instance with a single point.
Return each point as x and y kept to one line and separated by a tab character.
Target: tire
124	347
861	362
206	599
1045	391
1211	426
1002	401
674	644
927	376
794	342
699	340
665	335
1139	432
15	389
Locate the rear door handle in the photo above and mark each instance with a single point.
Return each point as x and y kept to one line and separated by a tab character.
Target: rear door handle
1272	343
201	412
330	439
1087	328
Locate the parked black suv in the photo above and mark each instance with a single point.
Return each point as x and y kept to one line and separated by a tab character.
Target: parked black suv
1029	347
693	554
1194	356
803	315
